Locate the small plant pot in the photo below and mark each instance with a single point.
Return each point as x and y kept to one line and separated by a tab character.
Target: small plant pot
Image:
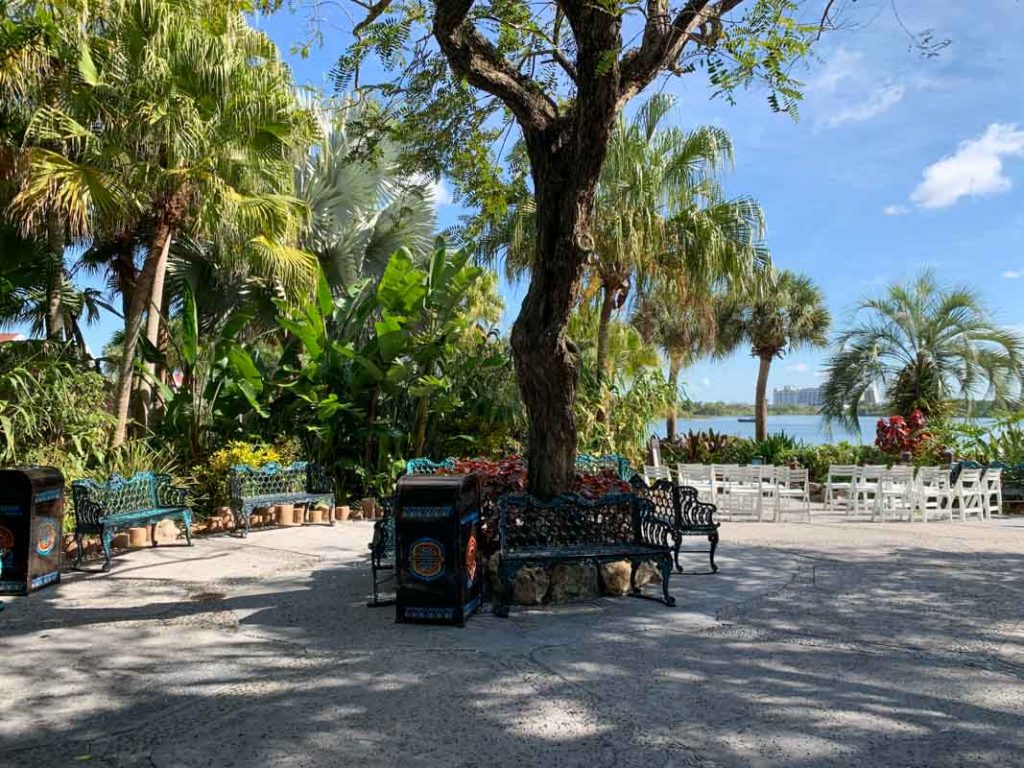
342	513
120	540
299	514
369	507
139	536
166	532
316	515
284	514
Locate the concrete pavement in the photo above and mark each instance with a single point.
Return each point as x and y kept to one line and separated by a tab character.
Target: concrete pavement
822	644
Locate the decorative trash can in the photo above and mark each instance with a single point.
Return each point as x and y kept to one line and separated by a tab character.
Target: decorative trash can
439	575
31	521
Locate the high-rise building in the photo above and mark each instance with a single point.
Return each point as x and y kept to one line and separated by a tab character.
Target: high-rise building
797	396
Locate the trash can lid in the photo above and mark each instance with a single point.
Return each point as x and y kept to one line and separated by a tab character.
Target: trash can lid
38	476
460	491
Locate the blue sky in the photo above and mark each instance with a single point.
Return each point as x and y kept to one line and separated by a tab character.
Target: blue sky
898	163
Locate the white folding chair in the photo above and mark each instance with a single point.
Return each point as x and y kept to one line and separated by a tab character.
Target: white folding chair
866	486
839	487
769	488
743	490
700	477
934	493
896	492
653	474
992	485
969	494
792	484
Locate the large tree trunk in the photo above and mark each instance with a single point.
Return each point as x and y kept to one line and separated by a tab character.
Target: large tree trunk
604	321
761	401
547	364
674	367
133	325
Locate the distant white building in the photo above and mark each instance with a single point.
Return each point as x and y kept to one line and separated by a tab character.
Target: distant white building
797	396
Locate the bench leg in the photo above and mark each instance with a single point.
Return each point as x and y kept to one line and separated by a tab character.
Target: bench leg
80	543
107	540
633	568
666	574
186	520
679	546
713	541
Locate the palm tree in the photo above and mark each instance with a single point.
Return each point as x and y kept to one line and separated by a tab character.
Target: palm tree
363	207
176	126
661	217
685	329
929	345
786	314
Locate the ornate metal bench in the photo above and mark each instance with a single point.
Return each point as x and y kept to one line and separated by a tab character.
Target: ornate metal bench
690	517
118	504
570	528
298	483
424	466
614	461
382	554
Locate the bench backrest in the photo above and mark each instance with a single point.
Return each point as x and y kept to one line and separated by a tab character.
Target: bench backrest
269	479
424	466
619	464
120	494
571	520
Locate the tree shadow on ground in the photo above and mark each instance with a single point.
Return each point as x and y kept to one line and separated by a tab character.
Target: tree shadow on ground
912	658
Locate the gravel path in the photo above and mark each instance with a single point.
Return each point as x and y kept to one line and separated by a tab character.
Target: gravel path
823	644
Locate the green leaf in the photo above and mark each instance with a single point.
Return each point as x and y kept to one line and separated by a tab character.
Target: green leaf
86	67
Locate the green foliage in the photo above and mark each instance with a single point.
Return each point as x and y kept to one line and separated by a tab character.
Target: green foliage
929	345
211	486
1002	441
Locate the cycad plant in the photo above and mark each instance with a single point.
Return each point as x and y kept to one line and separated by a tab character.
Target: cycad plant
929	345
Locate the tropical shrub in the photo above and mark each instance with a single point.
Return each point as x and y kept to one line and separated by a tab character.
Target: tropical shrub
897	435
211	478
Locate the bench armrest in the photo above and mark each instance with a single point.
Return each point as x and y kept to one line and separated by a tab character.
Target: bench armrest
703	515
168	495
656	531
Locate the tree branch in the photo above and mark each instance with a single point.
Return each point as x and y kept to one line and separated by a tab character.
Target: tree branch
663	41
472	55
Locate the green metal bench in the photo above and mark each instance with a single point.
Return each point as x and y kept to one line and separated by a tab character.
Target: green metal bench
572	529
300	482
382	554
118	504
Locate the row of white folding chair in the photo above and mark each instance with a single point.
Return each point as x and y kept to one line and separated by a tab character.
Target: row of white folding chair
746	489
929	493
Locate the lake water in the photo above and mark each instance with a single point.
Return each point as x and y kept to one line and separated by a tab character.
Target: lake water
809	429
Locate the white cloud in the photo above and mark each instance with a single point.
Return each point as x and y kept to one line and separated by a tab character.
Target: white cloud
706	381
798	367
896	210
845	65
879	102
1013	274
436	189
974	170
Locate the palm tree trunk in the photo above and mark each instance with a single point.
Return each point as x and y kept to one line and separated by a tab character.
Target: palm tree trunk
154	318
603	325
55	289
158	248
674	366
761	401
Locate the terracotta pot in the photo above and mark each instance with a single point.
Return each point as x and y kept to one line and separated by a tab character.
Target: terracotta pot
369	506
285	514
120	540
341	514
166	532
70	547
316	515
139	536
299	514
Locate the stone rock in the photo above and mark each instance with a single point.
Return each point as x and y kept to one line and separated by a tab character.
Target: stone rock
572	581
615	577
648	573
166	532
530	585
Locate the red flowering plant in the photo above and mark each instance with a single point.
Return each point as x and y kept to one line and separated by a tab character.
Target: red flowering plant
897	435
